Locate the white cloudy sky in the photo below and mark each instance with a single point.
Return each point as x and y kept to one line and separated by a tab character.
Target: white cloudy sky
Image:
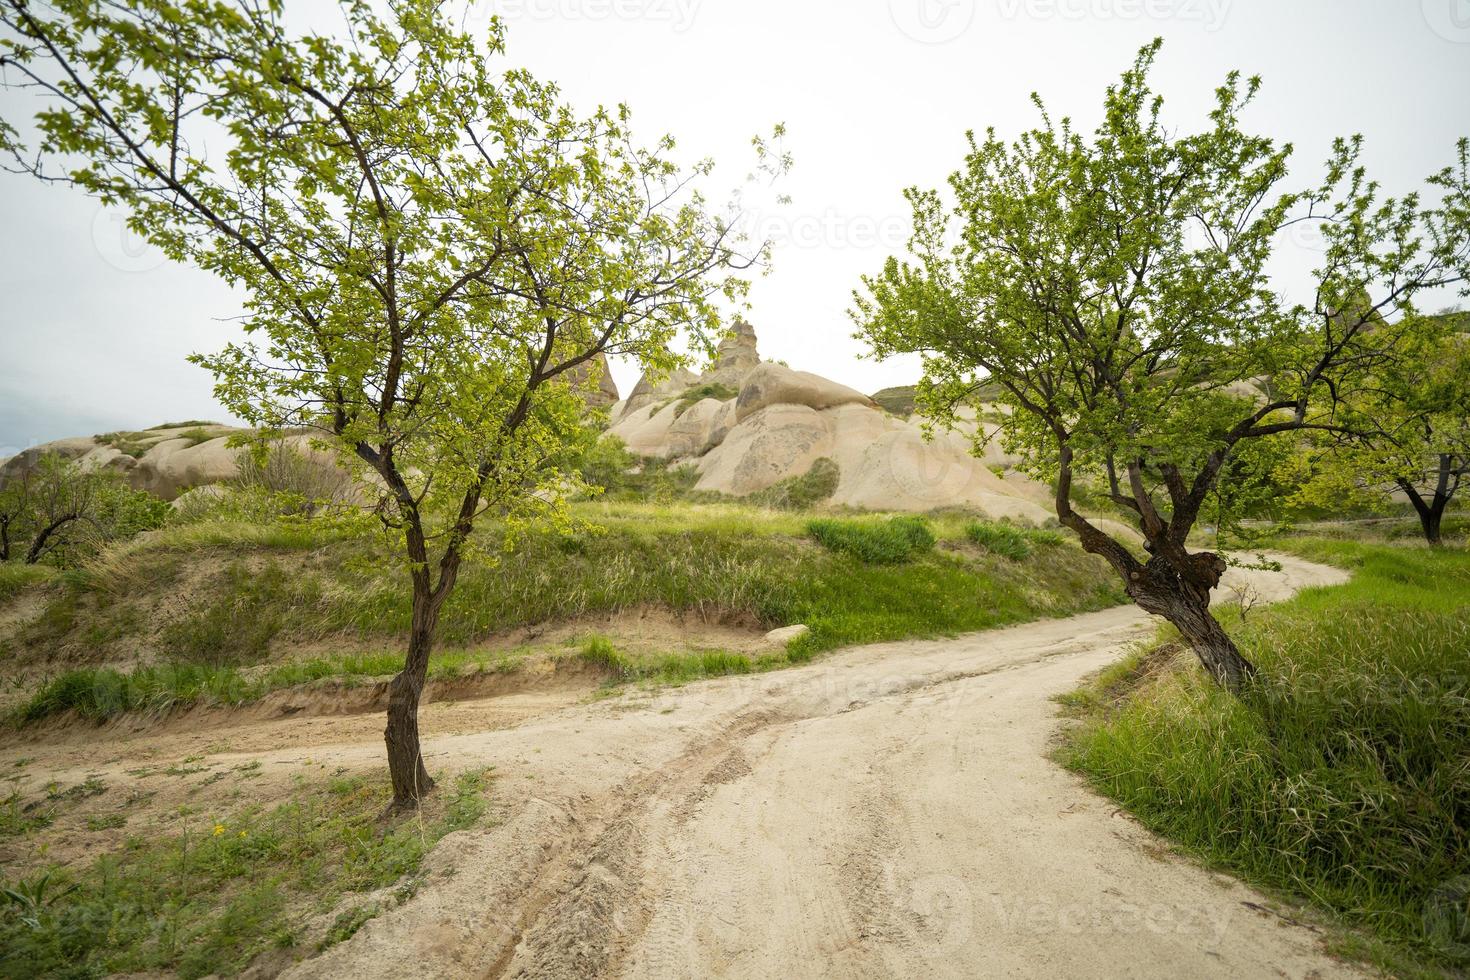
877	95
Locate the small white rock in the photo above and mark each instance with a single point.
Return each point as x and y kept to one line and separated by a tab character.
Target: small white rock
784	635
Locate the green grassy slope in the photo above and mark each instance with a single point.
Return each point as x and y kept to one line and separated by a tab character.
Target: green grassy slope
214	611
1343	776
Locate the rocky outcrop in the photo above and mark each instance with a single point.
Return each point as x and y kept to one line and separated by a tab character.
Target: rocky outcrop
594	382
780	422
735	358
648	391
165	461
884	463
773	384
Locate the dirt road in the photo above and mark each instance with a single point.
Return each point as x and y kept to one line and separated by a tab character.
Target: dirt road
886	811
889	811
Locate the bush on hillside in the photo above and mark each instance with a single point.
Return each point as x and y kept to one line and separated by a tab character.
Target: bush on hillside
295	481
877	542
801	492
1009	540
61	513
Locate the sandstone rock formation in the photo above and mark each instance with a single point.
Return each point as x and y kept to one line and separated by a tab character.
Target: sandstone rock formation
782	421
772	384
594	382
165	461
647	391
735	357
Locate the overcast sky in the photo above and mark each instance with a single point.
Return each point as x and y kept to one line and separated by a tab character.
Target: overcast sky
877	95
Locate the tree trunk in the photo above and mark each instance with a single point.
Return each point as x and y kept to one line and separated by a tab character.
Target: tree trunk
1430	516
1430	519
38	546
1159	590
411	781
1431	512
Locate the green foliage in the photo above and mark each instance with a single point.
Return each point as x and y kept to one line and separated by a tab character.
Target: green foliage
604	465
1412	431
897	401
800	492
1340	774
238	623
715	390
1008	540
207	896
877	542
1114	286
55	510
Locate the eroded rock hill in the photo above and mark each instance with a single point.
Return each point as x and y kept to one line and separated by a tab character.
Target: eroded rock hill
747	424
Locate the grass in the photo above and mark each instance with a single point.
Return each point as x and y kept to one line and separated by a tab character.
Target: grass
681	668
103	693
239	597
15	577
1009	540
801	492
887	541
1342	775
211	896
189	423
697	394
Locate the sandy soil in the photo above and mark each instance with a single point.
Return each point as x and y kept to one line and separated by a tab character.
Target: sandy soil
887	811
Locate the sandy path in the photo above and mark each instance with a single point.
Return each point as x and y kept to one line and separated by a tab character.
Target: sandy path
887	811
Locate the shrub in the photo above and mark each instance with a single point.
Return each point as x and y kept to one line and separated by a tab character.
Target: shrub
298	482
801	492
1009	540
57	511
887	542
699	393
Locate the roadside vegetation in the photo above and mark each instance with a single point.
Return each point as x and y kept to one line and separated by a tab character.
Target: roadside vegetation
226	611
1339	776
208	893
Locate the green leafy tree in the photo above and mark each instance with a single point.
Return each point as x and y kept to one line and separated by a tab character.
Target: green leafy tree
56	510
1410	432
427	245
1114	288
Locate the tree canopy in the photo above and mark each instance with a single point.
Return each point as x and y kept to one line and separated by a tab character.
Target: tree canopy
1409	432
1115	287
429	245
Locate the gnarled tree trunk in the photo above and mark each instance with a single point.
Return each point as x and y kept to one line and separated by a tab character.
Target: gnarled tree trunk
1184	600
